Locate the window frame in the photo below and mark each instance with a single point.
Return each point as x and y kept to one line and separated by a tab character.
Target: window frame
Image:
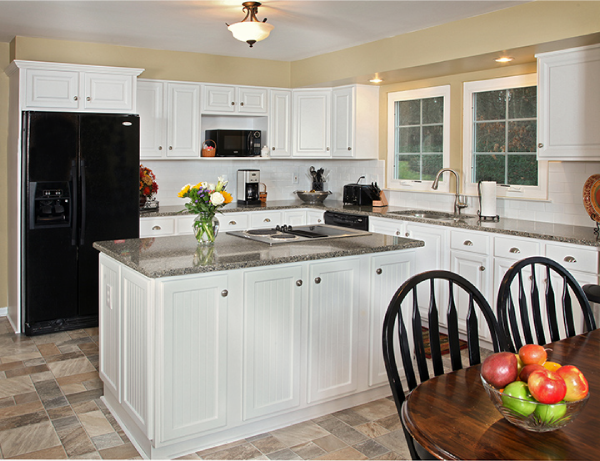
470	188
442	91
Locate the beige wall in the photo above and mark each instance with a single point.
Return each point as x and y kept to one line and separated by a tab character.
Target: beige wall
450	53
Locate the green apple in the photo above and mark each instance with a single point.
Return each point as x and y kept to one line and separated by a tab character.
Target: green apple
551	413
521	402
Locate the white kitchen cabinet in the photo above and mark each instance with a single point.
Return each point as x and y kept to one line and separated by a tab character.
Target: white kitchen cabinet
70	87
387	274
193	330
315	216
569	104
387	226
233	221
265	219
333	316
280	123
311	123
226	99
294	217
272	336
169	119
355	122
158	227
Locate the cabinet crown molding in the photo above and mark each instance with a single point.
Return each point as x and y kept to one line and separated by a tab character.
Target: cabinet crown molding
21	64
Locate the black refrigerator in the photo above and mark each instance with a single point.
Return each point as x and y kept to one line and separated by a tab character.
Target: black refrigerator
80	185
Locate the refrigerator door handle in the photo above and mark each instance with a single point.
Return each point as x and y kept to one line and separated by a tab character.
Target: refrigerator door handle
73	203
83	201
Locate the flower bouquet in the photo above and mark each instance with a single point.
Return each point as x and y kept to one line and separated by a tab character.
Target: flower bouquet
205	201
148	185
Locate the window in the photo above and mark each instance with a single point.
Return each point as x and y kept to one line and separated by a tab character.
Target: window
500	139
418	136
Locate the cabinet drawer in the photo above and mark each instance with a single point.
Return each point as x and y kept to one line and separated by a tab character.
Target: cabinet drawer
516	248
233	221
470	241
574	257
185	224
155	227
265	220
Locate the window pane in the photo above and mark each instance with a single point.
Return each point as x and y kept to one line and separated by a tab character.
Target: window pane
522	170
490	168
522	102
433	110
409	167
522	136
409	139
489	137
490	105
431	165
409	112
433	138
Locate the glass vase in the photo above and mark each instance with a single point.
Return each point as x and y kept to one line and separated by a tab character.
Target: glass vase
206	228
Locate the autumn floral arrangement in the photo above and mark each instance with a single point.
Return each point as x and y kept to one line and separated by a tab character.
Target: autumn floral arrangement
148	186
205	201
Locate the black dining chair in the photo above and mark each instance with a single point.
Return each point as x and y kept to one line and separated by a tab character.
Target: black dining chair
434	295
524	302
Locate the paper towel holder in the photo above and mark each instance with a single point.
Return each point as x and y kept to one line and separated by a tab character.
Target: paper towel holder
495	218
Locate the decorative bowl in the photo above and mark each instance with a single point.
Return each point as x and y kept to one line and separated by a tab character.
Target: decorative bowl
534	416
312	196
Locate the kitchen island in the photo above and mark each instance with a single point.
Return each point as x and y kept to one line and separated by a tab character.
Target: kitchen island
202	346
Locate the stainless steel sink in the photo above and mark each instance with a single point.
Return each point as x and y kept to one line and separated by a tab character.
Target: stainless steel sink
433	215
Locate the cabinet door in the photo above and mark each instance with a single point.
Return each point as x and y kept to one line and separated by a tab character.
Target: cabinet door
233	221
218	98
273	340
388	273
153	130
314	217
387	226
193	325
252	101
52	89
342	126
476	268
569	104
157	227
295	218
108	92
280	122
333	326
183	120
312	123
265	219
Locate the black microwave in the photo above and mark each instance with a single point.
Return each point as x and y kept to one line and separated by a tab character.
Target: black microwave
235	143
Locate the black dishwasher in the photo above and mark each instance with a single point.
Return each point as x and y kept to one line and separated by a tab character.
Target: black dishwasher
352	221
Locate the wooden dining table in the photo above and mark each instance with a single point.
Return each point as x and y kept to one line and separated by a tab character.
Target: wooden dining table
452	417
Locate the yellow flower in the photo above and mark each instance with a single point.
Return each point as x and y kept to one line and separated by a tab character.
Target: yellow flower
184	191
198	186
227	196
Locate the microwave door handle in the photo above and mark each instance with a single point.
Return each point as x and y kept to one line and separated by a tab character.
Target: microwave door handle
248	143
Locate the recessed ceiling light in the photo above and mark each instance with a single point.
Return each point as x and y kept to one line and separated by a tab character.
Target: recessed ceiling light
504	59
375	80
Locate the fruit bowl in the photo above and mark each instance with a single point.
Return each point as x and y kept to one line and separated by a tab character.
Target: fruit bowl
312	196
532	415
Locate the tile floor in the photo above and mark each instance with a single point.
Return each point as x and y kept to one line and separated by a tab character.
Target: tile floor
50	408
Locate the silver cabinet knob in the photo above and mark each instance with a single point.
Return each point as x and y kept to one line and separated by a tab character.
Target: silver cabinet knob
397	232
378	271
159	147
349	148
406	234
468	243
481	268
514	250
319	220
88	99
318	280
232	223
540	145
156	228
267	220
570	259
328	148
170	147
298	283
75	98
224	293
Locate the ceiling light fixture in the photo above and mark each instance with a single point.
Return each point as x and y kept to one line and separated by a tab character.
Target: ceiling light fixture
250	29
376	80
504	59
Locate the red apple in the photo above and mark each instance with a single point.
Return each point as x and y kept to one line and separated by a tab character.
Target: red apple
500	369
577	385
532	353
528	369
546	386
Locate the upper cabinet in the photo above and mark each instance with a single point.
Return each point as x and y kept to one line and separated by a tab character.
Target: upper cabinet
311	123
169	119
226	99
280	123
80	88
569	104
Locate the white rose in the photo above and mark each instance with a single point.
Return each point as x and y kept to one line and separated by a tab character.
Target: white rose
217	199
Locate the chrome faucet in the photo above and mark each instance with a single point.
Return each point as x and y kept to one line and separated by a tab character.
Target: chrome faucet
459	201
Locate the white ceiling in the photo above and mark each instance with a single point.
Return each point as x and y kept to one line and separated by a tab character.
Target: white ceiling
303	28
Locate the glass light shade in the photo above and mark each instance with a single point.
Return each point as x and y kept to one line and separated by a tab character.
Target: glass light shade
247	30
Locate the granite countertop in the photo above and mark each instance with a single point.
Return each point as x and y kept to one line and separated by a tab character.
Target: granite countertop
180	255
565	233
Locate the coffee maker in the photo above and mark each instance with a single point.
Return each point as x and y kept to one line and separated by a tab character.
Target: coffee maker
247	187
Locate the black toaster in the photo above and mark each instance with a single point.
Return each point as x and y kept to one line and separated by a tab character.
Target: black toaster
358	194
